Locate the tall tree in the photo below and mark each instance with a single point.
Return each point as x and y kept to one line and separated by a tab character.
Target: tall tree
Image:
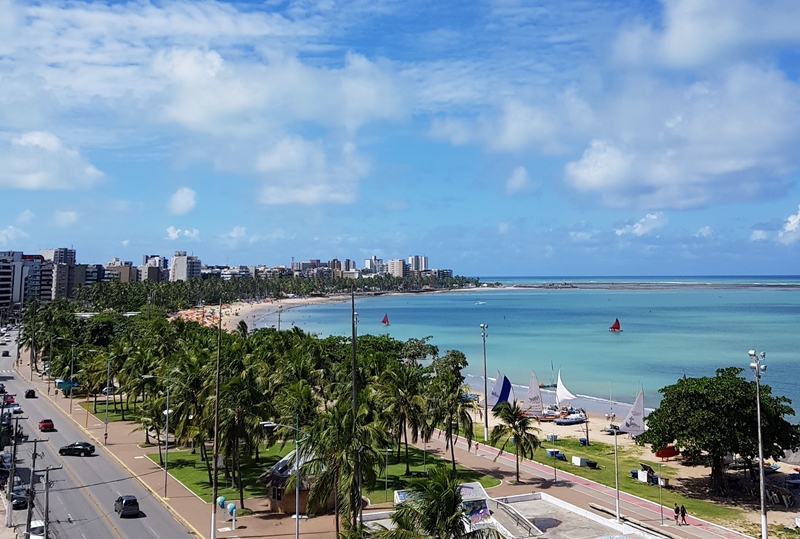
516	427
711	417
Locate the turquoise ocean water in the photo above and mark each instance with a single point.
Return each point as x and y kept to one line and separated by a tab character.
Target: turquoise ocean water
666	332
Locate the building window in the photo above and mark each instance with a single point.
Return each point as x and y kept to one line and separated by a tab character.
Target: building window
277	493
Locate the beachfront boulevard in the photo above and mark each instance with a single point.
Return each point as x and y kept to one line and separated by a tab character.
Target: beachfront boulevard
83	492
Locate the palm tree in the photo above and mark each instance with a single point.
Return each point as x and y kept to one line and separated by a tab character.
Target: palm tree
450	406
400	390
433	510
516	427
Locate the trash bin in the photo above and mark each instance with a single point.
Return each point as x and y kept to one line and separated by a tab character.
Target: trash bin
634	474
583	441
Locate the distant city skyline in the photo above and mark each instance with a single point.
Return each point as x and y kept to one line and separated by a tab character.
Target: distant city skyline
498	138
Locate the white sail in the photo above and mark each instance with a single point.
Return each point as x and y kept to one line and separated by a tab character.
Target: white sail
634	421
533	399
562	393
494	395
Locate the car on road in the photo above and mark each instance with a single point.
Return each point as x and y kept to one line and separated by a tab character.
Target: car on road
37	529
2	388
8	399
46	424
19	500
30	394
14	408
77	448
5	461
127	506
5	353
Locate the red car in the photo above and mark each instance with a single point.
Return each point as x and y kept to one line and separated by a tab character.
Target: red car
46	424
8	399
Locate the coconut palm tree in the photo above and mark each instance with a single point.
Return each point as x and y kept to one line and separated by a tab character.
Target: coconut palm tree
400	390
433	510
450	406
517	428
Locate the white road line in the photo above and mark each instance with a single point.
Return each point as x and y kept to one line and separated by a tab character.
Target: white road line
59	499
154	532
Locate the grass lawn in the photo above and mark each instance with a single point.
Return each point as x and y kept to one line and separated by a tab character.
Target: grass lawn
193	473
130	414
418	462
629	459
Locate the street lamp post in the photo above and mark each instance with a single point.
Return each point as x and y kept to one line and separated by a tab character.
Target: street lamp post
485	387
108	390
166	430
660	503
296	429
386	481
71	370
758	368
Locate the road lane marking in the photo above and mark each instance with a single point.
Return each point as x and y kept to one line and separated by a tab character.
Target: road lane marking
154	532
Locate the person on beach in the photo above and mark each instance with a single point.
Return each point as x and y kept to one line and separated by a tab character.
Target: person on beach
683	516
677	514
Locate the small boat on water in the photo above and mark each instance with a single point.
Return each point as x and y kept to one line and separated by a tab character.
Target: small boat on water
615	327
480	303
385	320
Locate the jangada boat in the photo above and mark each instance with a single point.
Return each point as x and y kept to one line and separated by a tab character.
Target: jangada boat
615	328
385	320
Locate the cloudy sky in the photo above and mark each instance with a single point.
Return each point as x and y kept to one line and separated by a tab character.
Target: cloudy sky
497	137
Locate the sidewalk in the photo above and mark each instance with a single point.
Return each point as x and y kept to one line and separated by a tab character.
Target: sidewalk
196	514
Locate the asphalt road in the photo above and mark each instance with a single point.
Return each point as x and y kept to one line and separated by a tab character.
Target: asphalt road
82	493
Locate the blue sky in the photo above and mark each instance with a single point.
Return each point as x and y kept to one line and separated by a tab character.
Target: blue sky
496	137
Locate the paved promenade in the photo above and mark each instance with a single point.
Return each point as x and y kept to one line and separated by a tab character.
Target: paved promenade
123	445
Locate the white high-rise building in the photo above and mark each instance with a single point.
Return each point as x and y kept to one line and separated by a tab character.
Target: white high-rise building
60	255
418	263
398	268
184	267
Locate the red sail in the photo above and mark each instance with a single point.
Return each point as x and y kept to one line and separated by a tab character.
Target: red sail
615	325
385	320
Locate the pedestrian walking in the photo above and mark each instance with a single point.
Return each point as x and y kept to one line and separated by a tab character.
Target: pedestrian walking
677	514
683	515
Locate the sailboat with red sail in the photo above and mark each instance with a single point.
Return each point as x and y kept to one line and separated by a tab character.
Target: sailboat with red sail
385	320
615	326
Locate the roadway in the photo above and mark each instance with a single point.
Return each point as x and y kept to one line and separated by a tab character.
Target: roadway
82	494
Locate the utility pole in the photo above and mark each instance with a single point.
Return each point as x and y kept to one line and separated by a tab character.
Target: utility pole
47	486
12	471
31	492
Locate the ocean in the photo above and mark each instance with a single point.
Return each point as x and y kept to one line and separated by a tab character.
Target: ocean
669	330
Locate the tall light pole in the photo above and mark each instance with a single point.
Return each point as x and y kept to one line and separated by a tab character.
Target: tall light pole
296	429
485	387
758	368
660	503
216	430
166	429
108	390
355	495
71	370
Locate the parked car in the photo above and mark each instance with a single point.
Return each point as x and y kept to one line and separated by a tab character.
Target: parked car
30	394
77	448
2	388
46	424
14	408
127	506
37	529
5	461
19	500
5	353
8	399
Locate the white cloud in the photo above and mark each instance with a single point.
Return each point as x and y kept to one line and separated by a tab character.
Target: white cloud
10	234
65	218
602	166
503	227
39	160
174	233
645	225
125	243
790	232
703	232
297	171
519	182
182	201
25	217
693	33
758	235
235	236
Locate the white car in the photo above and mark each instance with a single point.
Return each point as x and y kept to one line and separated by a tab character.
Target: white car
14	408
37	529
